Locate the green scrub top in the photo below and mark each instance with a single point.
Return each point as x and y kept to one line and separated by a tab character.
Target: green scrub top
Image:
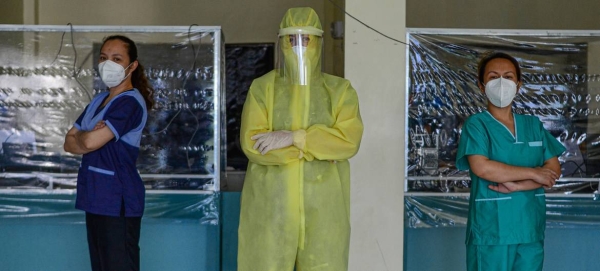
513	218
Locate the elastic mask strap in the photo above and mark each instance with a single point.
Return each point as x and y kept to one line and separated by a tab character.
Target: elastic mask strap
129	72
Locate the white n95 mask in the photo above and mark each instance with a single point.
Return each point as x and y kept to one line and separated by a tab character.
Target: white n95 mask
112	74
500	91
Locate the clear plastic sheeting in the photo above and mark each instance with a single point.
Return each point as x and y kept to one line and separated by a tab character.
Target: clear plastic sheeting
452	211
48	74
16	206
50	181
41	230
561	86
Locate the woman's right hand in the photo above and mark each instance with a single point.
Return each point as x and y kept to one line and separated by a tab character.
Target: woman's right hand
507	187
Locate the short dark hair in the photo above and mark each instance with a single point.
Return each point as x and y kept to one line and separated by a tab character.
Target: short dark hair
493	55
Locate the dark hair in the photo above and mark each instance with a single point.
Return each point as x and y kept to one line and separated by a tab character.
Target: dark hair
493	55
138	77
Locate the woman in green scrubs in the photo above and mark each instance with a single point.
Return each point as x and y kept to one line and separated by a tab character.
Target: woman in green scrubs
511	159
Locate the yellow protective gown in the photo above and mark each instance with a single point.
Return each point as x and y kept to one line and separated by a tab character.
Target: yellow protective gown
295	211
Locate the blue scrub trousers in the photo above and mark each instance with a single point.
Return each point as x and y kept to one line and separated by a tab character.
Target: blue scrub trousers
113	242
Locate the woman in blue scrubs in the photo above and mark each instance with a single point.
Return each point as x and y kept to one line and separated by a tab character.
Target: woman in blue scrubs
107	134
511	159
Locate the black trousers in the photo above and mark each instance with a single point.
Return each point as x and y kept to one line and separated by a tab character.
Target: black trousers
113	242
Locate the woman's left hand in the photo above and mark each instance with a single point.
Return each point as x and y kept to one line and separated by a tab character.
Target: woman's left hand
99	125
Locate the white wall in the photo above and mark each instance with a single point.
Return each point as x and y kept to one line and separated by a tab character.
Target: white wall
506	14
242	21
376	68
11	11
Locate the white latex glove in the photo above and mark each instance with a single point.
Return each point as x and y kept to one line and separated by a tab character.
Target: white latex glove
272	141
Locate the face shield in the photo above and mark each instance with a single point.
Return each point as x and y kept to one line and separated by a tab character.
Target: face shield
299	54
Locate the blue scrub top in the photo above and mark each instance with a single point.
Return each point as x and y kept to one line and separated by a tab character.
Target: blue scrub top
513	218
108	177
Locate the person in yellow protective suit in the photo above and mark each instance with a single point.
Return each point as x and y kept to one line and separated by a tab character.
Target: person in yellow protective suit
299	128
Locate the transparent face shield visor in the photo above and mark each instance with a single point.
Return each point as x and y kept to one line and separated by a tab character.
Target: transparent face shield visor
299	54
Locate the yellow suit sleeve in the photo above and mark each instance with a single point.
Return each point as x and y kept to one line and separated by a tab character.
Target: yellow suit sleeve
255	120
339	142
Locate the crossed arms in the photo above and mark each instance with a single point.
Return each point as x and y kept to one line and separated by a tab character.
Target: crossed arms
513	178
82	142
